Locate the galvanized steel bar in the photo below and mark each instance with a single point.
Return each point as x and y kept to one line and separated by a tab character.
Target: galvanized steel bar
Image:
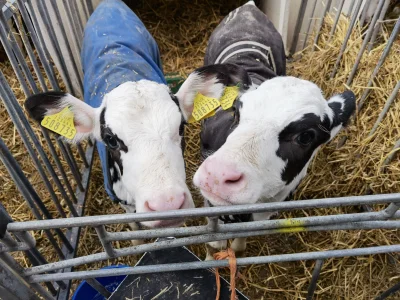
219	263
365	42
382	59
378	25
204	239
17	53
327	6
297	28
30	195
309	24
37	39
346	39
76	17
67	45
90	6
315	275
103	236
74	171
53	40
72	159
204	212
385	109
30	53
250	226
389	292
82	155
98	287
339	12
392	154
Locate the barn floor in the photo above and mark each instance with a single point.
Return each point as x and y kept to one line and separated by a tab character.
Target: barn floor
182	35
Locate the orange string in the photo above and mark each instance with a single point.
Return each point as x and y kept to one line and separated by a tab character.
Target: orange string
230	254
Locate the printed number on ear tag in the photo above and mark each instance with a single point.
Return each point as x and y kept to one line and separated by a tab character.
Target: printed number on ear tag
228	97
61	123
203	106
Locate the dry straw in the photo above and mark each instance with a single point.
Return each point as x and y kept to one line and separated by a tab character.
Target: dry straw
182	29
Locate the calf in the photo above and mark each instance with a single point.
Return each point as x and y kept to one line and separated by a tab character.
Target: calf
258	150
130	111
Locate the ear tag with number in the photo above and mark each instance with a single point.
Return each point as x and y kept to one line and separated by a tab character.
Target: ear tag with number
61	123
203	106
228	97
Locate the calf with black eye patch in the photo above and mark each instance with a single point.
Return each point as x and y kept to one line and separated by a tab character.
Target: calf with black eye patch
130	111
259	149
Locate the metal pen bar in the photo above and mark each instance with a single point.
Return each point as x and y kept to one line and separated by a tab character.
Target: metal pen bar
309	24
327	6
84	4
297	28
382	59
53	40
20	121
249	226
7	260
10	54
339	12
67	44
351	7
346	39
76	18
315	275
75	173
30	195
98	287
378	25
102	234
204	212
204	239
385	109
18	54
30	53
38	41
219	263
365	42
71	23
82	154
71	157
59	165
90	6
389	292
392	154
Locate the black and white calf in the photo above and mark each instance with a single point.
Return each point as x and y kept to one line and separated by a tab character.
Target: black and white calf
259	150
129	110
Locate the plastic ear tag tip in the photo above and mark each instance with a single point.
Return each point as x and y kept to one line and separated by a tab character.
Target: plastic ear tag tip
61	123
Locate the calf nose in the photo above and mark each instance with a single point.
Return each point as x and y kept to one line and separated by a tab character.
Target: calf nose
220	178
166	201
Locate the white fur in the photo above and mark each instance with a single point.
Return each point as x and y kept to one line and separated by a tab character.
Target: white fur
253	144
143	115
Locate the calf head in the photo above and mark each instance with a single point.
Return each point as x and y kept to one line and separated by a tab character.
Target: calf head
139	124
261	150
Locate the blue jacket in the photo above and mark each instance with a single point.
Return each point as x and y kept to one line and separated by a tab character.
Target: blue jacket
116	48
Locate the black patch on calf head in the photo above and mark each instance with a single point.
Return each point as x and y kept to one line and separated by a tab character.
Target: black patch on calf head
291	149
114	147
38	104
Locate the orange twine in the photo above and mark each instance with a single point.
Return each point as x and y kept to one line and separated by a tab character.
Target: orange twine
230	254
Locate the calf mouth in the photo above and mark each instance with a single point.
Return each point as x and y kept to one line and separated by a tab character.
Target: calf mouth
214	199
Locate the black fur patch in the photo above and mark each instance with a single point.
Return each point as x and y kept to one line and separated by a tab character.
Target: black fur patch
38	104
298	155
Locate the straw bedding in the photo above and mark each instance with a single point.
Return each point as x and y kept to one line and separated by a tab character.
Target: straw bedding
182	30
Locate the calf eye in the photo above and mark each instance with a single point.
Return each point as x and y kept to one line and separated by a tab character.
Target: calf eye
111	141
305	138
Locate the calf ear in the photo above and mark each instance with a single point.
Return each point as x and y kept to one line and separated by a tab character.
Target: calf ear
343	106
49	103
211	82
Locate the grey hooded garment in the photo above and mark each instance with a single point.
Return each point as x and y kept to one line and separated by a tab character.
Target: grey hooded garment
248	39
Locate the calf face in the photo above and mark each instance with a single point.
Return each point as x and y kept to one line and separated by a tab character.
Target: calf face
259	151
139	124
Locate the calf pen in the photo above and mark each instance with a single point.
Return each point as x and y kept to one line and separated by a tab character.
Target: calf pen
56	192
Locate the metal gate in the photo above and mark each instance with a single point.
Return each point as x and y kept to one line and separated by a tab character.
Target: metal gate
65	171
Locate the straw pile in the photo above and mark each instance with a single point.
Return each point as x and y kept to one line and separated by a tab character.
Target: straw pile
182	30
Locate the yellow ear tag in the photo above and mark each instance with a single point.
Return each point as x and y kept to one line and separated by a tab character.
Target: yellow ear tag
61	123
203	106
228	97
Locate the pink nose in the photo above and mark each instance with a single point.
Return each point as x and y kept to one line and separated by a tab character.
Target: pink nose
166	201
219	178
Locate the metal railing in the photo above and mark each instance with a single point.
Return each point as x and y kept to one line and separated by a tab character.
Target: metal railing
68	187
